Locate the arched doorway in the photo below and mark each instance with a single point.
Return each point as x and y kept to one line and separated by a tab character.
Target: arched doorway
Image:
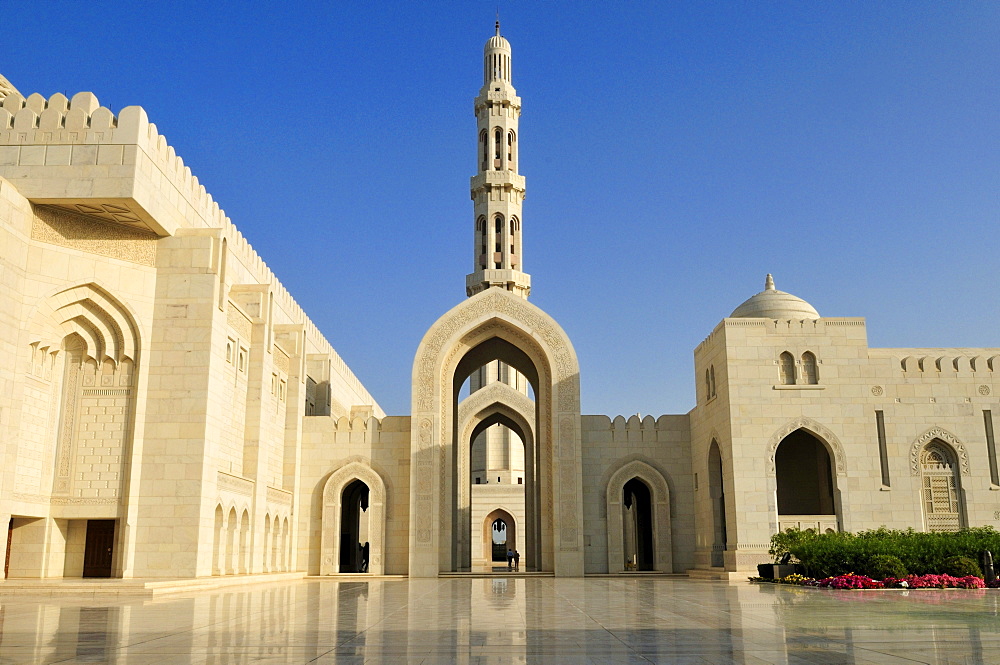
637	518
940	485
354	544
495	325
717	494
354	499
805	481
499	534
638	510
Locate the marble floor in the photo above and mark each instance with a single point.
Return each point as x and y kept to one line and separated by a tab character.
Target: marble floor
508	620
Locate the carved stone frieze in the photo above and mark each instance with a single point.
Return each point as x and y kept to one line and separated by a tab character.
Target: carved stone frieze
79	232
235	484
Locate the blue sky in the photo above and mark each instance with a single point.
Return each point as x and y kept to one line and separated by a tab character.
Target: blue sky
674	154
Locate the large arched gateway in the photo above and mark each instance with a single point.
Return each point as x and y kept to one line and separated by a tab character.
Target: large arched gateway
495	325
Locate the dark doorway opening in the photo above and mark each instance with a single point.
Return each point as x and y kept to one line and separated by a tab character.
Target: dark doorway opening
99	550
354	507
804	476
10	538
638	522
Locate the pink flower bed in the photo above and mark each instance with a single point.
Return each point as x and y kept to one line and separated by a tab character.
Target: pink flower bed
851	581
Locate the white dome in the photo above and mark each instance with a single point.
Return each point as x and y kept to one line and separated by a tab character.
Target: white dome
496	42
773	304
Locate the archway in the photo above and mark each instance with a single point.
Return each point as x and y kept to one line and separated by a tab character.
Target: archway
804	476
354	500
496	541
354	528
637	520
717	495
495	325
497	404
638	511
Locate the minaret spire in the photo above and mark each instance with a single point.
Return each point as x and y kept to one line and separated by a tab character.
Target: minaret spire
497	189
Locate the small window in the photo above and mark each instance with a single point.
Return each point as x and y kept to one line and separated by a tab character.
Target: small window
810	374
229	352
243	359
281	390
477	480
520	480
711	379
274	383
786	369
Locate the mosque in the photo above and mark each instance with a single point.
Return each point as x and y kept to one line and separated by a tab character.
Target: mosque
167	410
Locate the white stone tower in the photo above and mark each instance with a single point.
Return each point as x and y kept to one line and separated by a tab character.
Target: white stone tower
497	461
497	189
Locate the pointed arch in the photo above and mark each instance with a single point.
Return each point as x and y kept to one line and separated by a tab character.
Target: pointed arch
495	324
828	438
660	522
333	491
944	435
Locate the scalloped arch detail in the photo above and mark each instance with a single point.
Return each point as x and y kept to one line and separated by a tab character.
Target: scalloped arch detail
948	438
834	445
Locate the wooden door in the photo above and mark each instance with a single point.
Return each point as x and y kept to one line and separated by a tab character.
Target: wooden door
99	549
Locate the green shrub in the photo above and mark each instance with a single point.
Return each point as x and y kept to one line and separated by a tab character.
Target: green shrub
961	566
829	554
882	566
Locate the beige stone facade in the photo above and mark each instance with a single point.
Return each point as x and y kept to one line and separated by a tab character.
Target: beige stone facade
168	410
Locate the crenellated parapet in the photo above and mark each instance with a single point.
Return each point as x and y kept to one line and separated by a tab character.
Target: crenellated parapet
943	363
76	155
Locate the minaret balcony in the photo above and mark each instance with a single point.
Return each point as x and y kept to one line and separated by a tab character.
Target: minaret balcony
505	95
512	280
497	179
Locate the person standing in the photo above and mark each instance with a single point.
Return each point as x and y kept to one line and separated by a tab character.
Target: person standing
510	558
517	560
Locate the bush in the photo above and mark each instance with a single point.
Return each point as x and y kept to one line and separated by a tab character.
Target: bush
960	566
835	554
882	566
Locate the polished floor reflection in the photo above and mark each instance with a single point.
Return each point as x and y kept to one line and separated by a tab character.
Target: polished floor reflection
509	620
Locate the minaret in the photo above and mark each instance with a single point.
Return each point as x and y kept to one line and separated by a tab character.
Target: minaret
497	192
497	189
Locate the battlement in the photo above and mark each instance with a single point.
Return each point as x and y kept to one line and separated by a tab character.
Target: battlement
76	154
942	363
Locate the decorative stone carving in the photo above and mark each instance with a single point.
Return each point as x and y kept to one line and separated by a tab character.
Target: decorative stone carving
944	435
235	484
66	229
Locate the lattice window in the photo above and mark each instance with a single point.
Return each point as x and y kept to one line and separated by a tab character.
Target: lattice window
939	488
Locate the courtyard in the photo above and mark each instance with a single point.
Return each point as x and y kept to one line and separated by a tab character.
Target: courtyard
505	619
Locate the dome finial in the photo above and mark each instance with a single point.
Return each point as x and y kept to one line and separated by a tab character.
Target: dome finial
769	283
498	19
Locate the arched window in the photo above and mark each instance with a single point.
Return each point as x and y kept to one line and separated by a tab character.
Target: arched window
939	487
810	375
484	147
510	150
708	386
498	145
711	380
498	242
786	368
483	238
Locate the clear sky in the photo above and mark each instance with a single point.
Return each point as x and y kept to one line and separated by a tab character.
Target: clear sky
674	154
